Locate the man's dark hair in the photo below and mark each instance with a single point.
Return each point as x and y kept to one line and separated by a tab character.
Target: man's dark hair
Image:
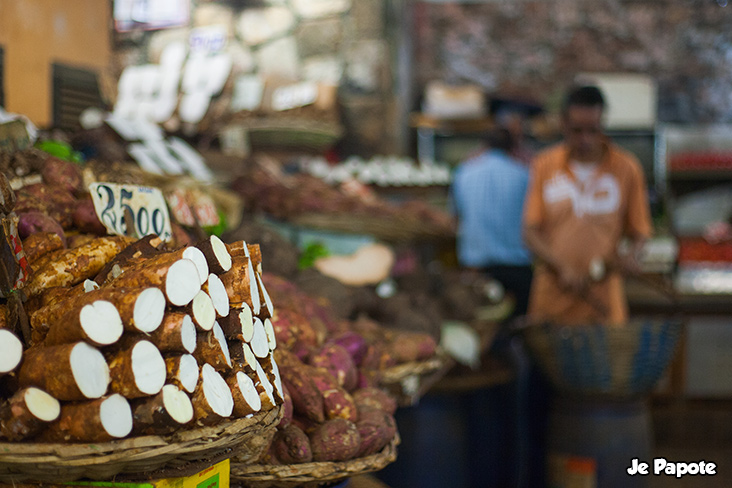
500	138
583	96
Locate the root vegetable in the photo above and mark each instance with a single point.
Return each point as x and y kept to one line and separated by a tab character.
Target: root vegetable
178	279
241	284
11	351
195	255
27	413
75	265
265	388
62	174
259	342
291	445
212	400
147	247
137	371
306	399
98	322
336	360
30	223
217	291
242	357
375	398
246	396
99	420
335	440
339	404
202	311
85	218
177	333
265	298
239	324
270	333
376	429
182	371
286	408
412	346
352	342
217	254
79	371
163	413
41	243
213	349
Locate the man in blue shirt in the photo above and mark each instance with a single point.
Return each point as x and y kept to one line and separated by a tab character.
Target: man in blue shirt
488	197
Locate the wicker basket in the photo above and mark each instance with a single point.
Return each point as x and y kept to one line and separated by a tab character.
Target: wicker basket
311	474
596	360
409	381
57	463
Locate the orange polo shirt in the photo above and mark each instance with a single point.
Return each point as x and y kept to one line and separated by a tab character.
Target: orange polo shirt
581	221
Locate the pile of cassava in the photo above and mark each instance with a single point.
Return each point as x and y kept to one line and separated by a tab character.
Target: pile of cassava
127	337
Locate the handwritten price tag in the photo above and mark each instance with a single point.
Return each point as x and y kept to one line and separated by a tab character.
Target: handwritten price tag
146	205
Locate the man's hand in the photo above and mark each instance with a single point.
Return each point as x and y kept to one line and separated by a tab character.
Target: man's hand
572	280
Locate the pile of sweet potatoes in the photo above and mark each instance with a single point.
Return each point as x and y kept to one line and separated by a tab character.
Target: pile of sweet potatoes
325	417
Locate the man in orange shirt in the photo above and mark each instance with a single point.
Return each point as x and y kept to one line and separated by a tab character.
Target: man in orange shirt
585	195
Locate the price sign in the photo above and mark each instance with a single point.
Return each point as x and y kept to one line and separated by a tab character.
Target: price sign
146	206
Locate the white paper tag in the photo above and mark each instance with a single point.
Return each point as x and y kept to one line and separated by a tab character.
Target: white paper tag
147	206
293	96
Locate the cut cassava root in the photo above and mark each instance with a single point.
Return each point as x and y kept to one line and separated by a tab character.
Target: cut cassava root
213	400
216	253
98	322
79	371
98	420
178	278
182	371
217	291
239	324
11	351
177	333
27	413
202	311
137	371
246	396
163	413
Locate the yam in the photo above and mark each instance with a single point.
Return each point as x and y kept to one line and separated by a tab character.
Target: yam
291	445
75	265
100	420
212	400
375	398
27	413
163	413
335	440
41	243
182	371
376	429
80	371
137	371
336	360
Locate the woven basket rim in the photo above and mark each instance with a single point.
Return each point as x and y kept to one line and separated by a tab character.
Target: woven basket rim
398	373
313	472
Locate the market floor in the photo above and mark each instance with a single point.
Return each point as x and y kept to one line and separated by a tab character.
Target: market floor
722	457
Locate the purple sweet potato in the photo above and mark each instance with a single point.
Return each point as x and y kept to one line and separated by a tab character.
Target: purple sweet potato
306	399
376	428
291	445
65	174
287	408
336	360
86	220
375	398
412	346
338	403
32	222
354	343
335	440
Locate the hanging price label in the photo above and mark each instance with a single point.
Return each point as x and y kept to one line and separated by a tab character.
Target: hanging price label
146	206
